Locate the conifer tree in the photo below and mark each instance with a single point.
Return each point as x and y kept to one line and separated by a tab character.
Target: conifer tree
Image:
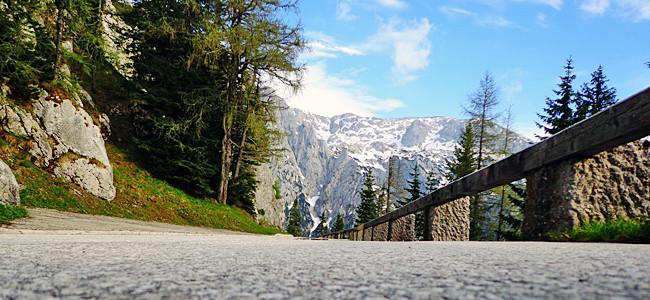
338	223
432	182
482	116
414	193
559	113
513	216
367	209
293	224
594	96
321	229
463	162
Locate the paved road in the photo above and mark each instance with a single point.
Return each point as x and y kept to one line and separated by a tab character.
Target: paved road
65	255
181	265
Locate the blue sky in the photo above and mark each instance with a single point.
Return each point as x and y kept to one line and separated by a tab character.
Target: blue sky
397	58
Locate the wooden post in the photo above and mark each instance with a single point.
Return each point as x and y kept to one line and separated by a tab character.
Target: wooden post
389	231
427	224
372	233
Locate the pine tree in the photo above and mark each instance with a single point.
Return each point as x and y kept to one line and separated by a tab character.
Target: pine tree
338	223
463	162
559	113
293	224
432	182
367	209
594	96
414	191
513	215
321	229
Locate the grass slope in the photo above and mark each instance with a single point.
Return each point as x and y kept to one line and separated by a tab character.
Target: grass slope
10	212
622	231
139	195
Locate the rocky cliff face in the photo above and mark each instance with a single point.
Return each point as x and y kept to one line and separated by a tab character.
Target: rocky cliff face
324	159
64	139
9	188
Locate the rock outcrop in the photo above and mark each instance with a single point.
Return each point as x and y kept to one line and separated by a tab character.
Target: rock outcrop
610	185
9	188
65	140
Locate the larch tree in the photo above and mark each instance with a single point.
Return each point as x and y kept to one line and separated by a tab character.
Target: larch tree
505	151
481	110
245	41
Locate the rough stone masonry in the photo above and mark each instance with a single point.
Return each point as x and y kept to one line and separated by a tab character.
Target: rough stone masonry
610	185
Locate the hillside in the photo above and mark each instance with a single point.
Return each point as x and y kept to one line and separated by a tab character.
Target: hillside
139	195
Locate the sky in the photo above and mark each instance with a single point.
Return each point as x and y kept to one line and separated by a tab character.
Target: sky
398	58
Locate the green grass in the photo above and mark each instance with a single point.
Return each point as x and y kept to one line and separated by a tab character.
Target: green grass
10	212
621	231
139	196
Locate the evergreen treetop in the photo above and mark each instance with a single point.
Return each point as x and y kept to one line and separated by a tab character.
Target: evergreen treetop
367	209
293	224
594	95
559	112
338	223
463	161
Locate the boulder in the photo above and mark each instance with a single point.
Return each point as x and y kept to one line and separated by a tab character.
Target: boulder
9	188
64	140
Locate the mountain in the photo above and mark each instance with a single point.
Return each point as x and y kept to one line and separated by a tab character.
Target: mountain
323	159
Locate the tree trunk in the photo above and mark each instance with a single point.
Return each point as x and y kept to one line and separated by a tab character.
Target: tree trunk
225	160
240	155
59	37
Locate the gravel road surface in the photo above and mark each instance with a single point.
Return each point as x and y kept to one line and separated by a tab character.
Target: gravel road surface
173	265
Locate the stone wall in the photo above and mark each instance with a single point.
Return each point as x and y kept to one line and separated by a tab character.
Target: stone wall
450	222
403	230
611	184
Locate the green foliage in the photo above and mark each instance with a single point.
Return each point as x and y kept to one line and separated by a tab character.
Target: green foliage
293	224
511	213
26	50
616	231
321	229
242	190
276	190
338	223
559	113
367	209
11	212
139	196
463	161
594	96
432	182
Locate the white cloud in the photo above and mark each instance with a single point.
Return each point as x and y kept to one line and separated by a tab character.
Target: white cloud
393	4
557	4
409	43
541	20
495	21
595	7
450	10
512	89
324	46
634	10
328	95
344	11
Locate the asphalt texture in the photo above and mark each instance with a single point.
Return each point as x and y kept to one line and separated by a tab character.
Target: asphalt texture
39	264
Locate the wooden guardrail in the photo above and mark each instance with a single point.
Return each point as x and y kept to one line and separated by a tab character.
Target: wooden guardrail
621	123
